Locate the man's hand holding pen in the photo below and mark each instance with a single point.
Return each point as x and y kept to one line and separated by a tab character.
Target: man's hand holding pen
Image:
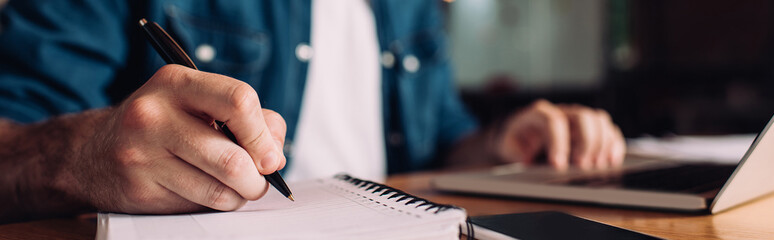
158	151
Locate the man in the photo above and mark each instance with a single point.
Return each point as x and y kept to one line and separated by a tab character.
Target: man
92	120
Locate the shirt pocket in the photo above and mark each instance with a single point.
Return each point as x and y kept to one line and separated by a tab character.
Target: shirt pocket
217	47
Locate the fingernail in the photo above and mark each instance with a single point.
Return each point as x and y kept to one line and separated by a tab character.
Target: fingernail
269	161
561	167
560	162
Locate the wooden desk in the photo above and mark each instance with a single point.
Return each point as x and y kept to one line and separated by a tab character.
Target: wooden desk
754	220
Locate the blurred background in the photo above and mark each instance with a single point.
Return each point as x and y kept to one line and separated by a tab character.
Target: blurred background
660	67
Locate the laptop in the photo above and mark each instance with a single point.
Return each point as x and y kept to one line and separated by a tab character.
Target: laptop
689	186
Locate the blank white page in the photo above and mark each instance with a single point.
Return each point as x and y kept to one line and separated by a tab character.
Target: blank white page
325	208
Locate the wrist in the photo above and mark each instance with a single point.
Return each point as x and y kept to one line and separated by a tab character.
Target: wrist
67	160
43	171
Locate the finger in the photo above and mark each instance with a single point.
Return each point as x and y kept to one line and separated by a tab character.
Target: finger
618	153
520	142
143	194
585	139
605	125
278	128
556	132
177	204
164	202
199	187
209	150
230	101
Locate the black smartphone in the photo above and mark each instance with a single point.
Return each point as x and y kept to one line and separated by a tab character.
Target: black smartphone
545	225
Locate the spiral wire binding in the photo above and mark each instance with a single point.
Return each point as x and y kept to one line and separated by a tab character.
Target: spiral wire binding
469	225
403	196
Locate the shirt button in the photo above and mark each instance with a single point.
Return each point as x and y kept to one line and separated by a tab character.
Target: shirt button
304	52
411	63
388	60
205	53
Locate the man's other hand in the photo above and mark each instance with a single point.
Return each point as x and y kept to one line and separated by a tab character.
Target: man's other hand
567	133
159	151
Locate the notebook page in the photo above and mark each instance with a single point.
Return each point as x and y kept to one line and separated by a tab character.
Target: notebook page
328	207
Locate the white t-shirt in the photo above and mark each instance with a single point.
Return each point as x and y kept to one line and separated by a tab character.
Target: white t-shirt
340	127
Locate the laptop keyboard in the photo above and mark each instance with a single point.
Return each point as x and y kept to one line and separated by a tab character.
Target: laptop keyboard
689	178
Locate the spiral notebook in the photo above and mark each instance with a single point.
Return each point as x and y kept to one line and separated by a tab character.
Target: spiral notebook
341	207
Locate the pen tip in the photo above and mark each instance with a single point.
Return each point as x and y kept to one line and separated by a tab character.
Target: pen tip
143	22
291	197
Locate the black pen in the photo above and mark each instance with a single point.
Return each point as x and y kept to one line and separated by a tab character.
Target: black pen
173	54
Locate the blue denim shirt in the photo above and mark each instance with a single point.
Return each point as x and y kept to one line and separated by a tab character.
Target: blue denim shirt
61	57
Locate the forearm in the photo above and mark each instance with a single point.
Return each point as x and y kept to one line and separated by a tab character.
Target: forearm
37	160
